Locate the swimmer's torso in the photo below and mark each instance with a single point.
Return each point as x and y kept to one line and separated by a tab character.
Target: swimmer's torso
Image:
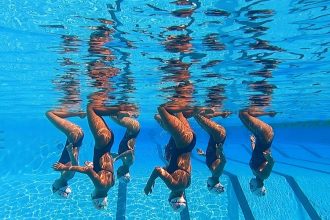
179	159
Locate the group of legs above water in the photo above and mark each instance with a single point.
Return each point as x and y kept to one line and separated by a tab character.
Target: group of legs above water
177	172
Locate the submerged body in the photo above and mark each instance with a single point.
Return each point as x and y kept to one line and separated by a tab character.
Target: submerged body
101	171
261	162
177	175
126	149
69	156
215	158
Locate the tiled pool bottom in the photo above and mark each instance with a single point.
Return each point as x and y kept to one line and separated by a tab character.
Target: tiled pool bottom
27	196
30	197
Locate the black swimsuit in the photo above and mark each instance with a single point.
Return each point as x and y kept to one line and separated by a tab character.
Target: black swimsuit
65	158
175	153
123	146
98	153
211	152
258	157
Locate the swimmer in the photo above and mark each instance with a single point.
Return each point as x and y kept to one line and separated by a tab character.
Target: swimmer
127	144
177	174
100	171
70	151
215	159
261	162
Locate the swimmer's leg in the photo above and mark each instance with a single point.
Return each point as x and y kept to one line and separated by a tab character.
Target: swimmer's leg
183	119
71	130
171	182
67	175
260	129
215	130
74	133
217	168
99	128
132	125
264	134
178	130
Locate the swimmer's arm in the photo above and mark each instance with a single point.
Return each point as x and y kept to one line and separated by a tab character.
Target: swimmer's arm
151	181
62	167
80	169
124	154
113	155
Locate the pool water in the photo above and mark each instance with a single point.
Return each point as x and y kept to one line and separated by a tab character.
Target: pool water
231	54
297	188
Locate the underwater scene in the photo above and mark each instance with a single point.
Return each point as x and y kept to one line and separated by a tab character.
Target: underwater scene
184	109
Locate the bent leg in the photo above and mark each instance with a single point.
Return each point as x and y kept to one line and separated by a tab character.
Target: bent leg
101	132
174	184
181	134
184	120
213	129
73	132
132	125
260	129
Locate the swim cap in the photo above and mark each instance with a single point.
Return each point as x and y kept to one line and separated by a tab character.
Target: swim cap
258	191
218	188
125	178
100	203
178	204
62	192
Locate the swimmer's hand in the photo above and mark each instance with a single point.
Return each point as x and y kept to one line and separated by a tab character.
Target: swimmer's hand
253	141
200	152
89	164
59	166
148	187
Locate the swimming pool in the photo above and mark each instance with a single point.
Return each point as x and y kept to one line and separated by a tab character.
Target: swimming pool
234	53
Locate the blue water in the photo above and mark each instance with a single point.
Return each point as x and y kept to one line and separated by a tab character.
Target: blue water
271	54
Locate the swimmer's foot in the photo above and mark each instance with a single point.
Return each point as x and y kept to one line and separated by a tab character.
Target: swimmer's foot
272	113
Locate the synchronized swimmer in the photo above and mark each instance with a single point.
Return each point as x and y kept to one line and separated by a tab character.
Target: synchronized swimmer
177	174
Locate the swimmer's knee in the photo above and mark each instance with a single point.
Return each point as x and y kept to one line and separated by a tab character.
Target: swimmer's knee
80	135
90	108
242	114
269	135
49	114
137	126
103	138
